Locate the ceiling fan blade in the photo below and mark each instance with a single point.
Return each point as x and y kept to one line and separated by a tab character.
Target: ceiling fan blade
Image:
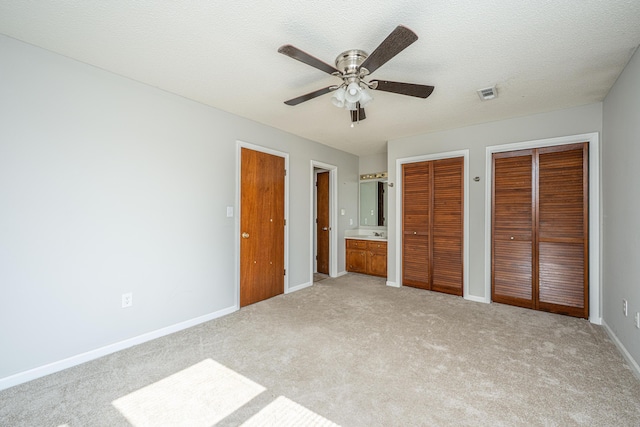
357	115
395	43
301	56
411	89
310	95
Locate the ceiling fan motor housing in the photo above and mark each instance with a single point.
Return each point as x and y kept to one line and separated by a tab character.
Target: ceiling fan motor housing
349	62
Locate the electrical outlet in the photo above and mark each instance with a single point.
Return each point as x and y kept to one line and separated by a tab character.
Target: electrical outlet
624	307
127	300
638	320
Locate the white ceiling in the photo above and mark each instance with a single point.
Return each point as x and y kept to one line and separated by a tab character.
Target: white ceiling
543	55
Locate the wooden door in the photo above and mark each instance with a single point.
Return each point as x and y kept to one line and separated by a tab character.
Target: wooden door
512	221
416	217
540	229
261	226
322	222
432	225
562	225
446	226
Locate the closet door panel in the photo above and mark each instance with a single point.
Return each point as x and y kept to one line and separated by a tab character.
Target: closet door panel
562	194
416	200
563	229
561	282
447	225
512	228
512	273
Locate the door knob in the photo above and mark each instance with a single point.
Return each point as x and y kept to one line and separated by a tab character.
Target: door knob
511	237
415	232
245	235
325	229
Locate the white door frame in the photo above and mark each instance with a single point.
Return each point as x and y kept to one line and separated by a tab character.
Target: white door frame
239	146
465	224
595	297
333	217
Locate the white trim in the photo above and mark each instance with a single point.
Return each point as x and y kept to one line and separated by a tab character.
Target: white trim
333	217
595	290
632	363
465	240
393	284
239	146
476	299
78	359
342	273
299	287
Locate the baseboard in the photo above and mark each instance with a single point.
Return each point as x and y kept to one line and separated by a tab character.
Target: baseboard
630	360
298	287
78	359
476	299
393	284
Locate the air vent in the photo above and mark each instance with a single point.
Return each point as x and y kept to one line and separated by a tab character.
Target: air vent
488	93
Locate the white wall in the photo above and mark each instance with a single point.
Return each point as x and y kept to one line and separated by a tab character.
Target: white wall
373	163
110	186
621	206
476	139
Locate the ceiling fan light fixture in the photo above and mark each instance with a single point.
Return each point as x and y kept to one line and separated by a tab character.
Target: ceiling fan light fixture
338	98
353	92
365	97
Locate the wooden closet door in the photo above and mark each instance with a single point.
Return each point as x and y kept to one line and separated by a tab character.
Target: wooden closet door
540	229
447	232
416	202
562	225
432	206
513	234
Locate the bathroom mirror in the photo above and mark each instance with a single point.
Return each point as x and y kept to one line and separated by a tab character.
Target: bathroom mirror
373	203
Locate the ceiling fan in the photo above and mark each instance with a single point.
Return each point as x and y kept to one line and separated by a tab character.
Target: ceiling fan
352	67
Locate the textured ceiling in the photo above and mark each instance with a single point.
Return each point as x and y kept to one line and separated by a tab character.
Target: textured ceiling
542	55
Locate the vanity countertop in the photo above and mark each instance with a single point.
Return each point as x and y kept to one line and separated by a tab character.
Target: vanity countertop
367	237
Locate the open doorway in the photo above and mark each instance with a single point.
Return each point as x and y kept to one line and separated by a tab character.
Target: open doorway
323	220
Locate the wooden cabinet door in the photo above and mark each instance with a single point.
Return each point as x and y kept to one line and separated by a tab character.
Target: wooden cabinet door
447	232
416	217
512	222
562	227
356	256
357	260
377	259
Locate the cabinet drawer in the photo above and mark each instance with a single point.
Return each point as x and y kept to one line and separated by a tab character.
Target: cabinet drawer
356	244
377	247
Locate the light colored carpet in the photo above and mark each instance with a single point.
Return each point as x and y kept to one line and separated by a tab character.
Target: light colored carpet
317	277
354	352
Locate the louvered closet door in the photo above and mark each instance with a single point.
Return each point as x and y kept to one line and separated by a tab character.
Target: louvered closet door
540	229
447	226
432	199
416	200
563	229
512	254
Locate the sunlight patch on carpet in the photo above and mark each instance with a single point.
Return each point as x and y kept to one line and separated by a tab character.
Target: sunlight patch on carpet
283	412
200	395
